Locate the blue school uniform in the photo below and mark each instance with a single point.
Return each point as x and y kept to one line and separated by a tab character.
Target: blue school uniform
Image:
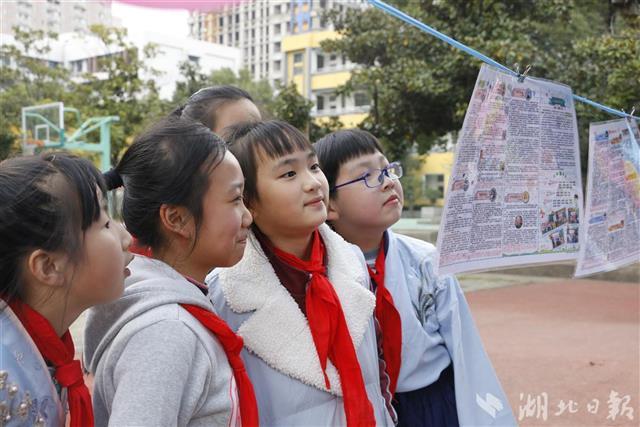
444	365
28	396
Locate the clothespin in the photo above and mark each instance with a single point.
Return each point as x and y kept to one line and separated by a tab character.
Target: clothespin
522	76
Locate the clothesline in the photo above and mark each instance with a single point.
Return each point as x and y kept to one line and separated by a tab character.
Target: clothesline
432	31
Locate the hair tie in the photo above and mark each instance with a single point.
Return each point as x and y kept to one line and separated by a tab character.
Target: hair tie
178	111
113	179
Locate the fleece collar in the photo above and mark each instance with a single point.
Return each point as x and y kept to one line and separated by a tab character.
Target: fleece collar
277	331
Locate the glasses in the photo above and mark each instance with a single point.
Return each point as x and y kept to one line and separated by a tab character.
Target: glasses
372	179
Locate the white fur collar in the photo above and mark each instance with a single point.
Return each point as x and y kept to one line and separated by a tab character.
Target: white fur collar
278	331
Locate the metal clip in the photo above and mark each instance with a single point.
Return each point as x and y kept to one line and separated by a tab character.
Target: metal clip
522	76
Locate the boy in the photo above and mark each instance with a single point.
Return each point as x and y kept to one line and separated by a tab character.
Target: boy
437	369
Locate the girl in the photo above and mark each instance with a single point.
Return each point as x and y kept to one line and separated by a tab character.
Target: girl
218	107
439	373
59	254
160	355
298	298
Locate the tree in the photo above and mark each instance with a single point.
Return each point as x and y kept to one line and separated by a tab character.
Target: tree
293	108
27	81
420	86
605	68
120	89
319	129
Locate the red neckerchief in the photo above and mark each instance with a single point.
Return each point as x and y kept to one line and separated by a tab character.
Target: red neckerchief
232	346
389	320
331	335
59	352
138	249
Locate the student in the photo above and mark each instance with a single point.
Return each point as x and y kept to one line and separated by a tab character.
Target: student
60	254
159	354
299	296
439	373
218	107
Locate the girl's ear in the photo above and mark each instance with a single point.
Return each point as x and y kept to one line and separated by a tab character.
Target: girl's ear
48	268
177	220
332	211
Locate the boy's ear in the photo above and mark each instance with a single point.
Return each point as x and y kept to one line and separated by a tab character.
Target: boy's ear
177	220
48	268
333	213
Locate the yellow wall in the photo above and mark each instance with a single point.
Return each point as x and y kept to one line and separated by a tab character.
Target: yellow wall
437	163
329	80
303	41
348	120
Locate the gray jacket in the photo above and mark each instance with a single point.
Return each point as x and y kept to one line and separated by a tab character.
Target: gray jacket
154	363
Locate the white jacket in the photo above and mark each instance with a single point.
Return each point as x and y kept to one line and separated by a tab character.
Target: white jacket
279	354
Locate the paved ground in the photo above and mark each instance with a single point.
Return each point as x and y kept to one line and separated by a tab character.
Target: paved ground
562	342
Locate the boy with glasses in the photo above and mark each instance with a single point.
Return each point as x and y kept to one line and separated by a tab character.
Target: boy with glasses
435	368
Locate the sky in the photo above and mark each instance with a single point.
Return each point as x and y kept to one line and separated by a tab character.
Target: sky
172	22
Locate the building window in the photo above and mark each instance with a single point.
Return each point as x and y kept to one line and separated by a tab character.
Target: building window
320	102
253	33
277	9
297	70
435	181
194	59
333	61
277	29
361	99
277	46
320	62
333	103
220	39
277	65
297	58
221	21
237	18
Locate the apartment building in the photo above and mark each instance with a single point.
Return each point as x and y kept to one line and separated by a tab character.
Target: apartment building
56	16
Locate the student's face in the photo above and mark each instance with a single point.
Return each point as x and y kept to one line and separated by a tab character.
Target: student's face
225	220
358	207
234	112
99	276
292	195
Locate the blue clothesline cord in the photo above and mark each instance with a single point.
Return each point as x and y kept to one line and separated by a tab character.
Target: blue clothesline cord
432	31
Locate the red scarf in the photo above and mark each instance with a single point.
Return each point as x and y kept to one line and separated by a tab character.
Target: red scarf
138	249
232	345
59	352
389	320
331	335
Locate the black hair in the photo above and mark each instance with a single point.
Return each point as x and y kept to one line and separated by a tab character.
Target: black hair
168	164
203	105
47	201
337	148
272	138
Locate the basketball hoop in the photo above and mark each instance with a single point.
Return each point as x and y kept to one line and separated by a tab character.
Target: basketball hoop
29	146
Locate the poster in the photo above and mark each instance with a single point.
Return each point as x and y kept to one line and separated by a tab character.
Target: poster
515	193
611	230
